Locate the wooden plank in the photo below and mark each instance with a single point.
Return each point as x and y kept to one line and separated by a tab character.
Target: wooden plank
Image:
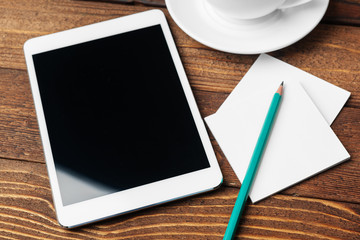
339	11
19	133
156	3
20	139
343	12
27	212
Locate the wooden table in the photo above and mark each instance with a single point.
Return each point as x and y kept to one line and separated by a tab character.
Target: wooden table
326	206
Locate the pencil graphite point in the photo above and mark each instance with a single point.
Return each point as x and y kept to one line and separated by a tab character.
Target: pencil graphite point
280	89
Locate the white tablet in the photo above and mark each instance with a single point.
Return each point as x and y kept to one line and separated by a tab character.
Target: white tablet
120	128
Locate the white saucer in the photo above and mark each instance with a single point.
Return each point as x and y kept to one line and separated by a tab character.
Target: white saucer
266	34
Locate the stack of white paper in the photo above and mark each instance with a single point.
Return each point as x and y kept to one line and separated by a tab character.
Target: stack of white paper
301	143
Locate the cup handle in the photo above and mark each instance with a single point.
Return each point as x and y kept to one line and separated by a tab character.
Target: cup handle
293	3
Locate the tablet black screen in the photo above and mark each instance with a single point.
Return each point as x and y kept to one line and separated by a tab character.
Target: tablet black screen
116	114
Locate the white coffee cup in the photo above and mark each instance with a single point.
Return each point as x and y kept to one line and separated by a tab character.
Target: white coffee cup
250	9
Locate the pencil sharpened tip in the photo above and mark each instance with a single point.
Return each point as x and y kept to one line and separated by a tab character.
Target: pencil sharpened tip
280	89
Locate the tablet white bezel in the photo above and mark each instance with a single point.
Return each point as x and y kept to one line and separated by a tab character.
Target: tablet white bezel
136	198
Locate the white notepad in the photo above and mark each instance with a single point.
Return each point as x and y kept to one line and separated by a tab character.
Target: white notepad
301	143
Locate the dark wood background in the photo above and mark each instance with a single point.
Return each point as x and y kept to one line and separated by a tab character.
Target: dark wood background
326	206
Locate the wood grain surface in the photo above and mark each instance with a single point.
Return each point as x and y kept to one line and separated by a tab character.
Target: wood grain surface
339	11
326	206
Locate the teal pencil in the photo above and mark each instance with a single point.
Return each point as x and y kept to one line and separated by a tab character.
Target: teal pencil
253	166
